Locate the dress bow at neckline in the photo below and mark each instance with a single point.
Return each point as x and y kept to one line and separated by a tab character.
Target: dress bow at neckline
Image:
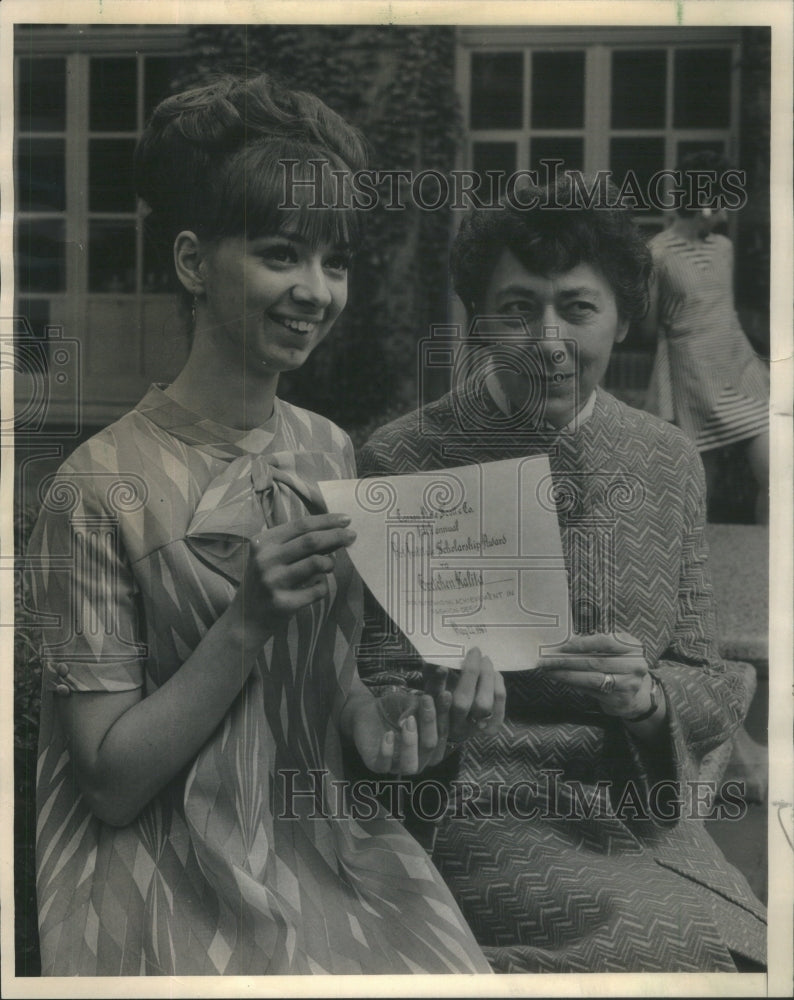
252	493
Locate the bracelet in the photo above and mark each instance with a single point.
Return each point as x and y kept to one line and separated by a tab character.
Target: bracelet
648	711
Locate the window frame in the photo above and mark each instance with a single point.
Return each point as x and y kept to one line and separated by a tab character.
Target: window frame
104	394
597	131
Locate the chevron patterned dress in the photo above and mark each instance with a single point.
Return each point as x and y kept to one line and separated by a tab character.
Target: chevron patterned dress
706	379
568	845
244	864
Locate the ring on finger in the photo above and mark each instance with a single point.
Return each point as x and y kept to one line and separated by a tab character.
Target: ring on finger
607	685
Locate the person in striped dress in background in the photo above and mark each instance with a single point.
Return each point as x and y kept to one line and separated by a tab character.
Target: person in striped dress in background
707	379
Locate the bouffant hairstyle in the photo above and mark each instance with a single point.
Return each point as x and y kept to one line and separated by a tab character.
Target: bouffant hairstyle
548	239
211	159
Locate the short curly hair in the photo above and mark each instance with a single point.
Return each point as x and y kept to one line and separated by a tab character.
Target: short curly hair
548	239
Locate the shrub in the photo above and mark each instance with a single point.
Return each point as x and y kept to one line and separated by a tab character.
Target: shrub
27	700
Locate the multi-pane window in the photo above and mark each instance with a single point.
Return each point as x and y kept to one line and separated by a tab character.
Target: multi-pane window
118	260
524	107
81	260
630	102
40	186
637	105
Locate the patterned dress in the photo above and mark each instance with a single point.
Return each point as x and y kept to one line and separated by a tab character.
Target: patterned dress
706	378
564	842
245	863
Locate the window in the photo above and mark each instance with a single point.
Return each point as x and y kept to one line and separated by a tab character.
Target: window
41	179
557	90
81	260
639	88
631	101
597	99
497	90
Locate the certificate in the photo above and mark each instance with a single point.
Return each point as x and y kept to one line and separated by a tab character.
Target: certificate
463	557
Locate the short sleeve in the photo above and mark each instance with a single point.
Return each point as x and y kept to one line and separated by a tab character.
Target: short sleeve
81	591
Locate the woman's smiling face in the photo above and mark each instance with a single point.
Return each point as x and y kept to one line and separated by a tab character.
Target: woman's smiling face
269	301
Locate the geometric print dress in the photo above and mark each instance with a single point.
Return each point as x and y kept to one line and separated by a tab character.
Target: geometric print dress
248	862
706	379
570	846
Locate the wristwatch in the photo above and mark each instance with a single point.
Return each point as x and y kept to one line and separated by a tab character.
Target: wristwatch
648	711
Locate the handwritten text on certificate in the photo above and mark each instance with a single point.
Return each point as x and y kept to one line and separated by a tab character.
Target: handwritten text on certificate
462	557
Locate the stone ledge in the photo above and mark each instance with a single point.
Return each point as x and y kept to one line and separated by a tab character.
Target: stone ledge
739	562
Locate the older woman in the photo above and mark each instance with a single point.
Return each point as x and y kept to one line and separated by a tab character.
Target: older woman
577	842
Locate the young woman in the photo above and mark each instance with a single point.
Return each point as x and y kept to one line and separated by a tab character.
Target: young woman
201	677
707	379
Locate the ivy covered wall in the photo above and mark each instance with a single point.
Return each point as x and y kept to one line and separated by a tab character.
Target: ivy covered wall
397	85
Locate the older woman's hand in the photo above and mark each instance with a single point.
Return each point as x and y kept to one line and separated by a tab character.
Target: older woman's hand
610	667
